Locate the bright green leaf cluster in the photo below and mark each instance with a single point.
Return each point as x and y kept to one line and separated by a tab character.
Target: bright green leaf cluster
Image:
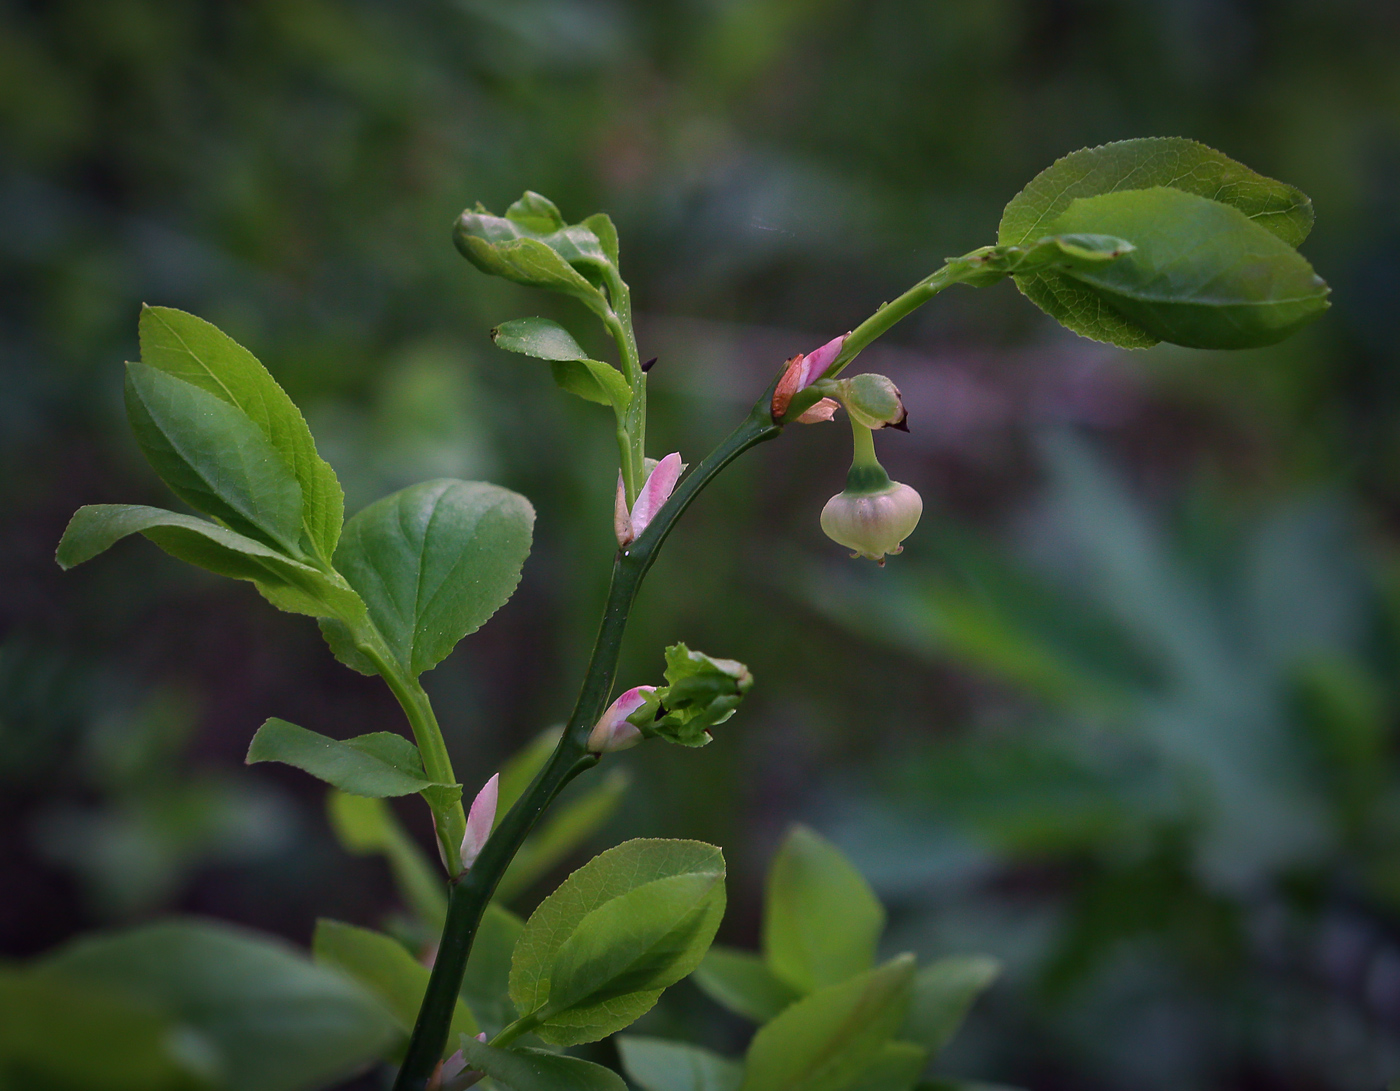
832	1019
1213	262
700	693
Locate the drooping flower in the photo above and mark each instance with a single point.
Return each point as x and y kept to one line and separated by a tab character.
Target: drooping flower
873	515
612	731
480	819
655	491
802	371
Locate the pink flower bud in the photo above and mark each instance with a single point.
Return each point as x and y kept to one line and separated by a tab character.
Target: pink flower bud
655	491
801	372
613	732
480	819
873	523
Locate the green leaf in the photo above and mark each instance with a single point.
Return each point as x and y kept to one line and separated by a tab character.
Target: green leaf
644	940
701	693
379	765
289	584
537	337
895	1068
123	1043
826	1041
530	246
527	1069
593	381
383	966
199	353
486	983
821	920
943	993
214	457
1202	274
364	825
434	561
1131	165
743	983
600	223
660	1065
568	826
607	876
277	1021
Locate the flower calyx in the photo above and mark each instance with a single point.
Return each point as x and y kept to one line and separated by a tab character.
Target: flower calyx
629	523
873	401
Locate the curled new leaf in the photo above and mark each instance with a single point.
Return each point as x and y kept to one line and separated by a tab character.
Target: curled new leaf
701	692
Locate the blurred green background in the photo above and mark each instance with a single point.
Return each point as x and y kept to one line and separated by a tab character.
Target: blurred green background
1123	714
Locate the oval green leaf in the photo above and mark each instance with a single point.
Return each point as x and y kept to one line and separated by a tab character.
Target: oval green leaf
191	349
379	765
827	1040
608	875
1201	274
821	920
434	562
537	337
1178	163
214	457
593	381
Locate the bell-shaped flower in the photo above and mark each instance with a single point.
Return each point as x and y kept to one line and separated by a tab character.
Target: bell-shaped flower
873	524
802	371
655	491
612	731
480	819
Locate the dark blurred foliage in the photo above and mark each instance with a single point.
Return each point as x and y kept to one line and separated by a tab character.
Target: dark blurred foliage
1123	714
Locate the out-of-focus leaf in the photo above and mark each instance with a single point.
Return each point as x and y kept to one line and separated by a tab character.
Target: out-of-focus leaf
434	561
486	983
214	457
199	353
1201	274
277	1021
522	768
660	1065
541	338
607	876
568	826
525	1069
826	1041
625	952
1131	165
366	825
895	1068
821	920
942	994
288	584
56	1032
383	966
743	983
379	765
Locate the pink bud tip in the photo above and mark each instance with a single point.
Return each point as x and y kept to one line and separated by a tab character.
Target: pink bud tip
613	732
818	360
658	488
480	819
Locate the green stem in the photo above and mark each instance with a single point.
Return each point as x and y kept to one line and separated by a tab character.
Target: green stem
450	821
632	425
472	890
879	323
864	443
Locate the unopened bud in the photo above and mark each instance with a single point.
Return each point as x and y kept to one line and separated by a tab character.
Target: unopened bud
873	523
655	491
612	731
800	372
480	819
